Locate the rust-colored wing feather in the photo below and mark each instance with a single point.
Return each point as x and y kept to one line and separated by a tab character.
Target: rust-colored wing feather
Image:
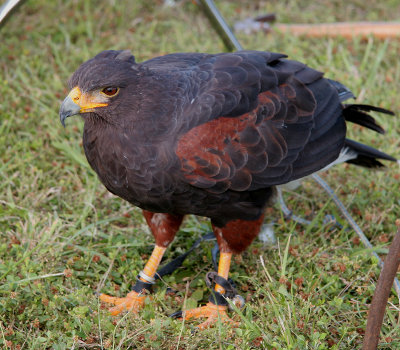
269	120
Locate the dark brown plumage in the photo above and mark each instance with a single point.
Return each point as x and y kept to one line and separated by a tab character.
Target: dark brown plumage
211	135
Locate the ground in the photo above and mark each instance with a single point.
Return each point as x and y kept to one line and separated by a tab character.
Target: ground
64	237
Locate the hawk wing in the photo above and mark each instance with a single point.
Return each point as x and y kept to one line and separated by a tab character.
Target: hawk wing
257	120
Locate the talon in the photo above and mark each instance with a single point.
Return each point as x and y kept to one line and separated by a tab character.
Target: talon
132	302
212	312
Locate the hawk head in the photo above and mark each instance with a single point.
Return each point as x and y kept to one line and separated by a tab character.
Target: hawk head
100	85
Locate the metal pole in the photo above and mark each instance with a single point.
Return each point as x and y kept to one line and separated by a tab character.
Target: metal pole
220	25
7	8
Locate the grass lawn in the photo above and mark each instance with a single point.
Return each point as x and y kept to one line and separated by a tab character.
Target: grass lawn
63	237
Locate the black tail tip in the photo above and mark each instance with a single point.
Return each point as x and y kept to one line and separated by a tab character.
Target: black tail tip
358	114
367	156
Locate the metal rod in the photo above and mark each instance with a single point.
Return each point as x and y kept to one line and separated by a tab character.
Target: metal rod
357	229
7	8
220	25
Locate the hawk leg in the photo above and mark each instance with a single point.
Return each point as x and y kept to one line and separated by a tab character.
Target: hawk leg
164	228
234	237
134	301
211	311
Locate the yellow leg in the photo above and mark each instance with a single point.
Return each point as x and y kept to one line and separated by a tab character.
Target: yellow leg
134	301
211	311
151	267
223	269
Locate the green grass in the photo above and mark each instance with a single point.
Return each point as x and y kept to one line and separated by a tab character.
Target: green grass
63	237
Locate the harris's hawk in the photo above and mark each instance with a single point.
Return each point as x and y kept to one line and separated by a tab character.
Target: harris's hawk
210	135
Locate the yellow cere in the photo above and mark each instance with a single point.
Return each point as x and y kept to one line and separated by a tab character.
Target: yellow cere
86	101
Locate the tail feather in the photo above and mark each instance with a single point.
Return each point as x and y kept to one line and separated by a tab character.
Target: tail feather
355	152
369	108
356	113
367	156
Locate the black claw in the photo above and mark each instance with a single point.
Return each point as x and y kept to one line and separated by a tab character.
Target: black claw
177	314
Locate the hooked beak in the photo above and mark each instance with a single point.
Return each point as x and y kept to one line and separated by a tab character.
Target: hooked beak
77	102
68	108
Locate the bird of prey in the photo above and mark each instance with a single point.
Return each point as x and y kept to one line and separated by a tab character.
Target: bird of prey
210	135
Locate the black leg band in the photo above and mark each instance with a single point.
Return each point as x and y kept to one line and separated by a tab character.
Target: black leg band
217	299
141	285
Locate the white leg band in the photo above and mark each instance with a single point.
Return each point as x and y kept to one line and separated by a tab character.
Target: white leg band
148	279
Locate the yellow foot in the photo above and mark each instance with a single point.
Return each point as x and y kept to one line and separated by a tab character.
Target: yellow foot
212	313
132	302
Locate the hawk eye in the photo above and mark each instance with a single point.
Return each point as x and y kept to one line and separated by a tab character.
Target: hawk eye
110	91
